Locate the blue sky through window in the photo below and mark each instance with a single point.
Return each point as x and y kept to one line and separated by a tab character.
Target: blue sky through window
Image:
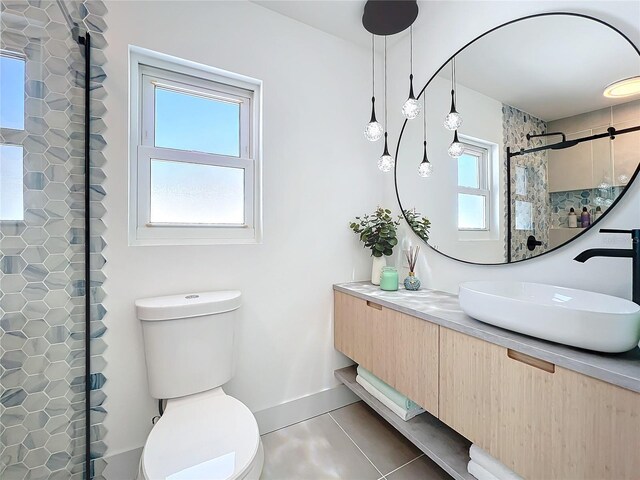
11	93
191	122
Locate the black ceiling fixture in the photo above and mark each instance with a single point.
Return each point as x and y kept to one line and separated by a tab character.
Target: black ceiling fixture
388	17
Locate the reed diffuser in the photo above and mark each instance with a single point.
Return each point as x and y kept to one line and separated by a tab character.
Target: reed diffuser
412	282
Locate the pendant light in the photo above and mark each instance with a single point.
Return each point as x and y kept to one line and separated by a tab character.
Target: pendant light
426	168
453	120
385	163
373	131
456	148
411	108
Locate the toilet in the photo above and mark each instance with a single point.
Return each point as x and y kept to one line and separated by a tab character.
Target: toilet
203	433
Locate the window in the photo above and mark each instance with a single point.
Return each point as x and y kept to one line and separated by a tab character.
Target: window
11	90
195	153
474	196
12	80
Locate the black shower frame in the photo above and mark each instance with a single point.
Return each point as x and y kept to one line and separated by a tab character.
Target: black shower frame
615	202
85	41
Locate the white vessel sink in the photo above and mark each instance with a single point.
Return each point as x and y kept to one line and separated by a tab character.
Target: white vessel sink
565	315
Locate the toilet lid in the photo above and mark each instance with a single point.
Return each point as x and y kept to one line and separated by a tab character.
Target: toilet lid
212	438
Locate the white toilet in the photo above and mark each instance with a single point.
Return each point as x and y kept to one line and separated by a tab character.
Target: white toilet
204	434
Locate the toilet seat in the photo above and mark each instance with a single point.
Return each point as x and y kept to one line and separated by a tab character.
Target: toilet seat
208	436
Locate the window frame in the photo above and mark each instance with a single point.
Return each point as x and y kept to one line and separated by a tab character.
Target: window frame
21	57
150	70
482	152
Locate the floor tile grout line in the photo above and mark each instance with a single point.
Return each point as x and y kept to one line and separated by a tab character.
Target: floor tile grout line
296	423
401	466
354	442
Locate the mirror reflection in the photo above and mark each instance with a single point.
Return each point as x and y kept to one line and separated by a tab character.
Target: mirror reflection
531	137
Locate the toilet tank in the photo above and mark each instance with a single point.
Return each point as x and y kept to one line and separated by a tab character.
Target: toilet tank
188	341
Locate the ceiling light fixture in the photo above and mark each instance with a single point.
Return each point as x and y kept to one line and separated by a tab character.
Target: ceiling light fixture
457	147
373	131
453	120
386	162
425	169
623	88
411	108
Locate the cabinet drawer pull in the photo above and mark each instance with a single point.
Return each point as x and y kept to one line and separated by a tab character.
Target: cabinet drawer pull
529	360
374	305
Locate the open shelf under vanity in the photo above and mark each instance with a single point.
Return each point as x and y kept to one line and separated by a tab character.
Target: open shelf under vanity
440	443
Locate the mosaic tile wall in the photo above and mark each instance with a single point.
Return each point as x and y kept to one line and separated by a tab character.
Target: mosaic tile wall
533	202
42	283
561	202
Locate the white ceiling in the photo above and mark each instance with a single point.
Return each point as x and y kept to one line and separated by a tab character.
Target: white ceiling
550	67
342	18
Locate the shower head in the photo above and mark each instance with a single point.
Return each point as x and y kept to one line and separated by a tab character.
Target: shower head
564	144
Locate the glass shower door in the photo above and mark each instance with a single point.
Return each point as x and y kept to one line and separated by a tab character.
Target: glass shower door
43	401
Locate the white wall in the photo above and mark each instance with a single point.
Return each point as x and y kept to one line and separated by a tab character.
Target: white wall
440	30
436	197
318	174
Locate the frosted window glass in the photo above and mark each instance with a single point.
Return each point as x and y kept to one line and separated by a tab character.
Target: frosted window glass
11	93
190	122
11	184
194	193
468	171
471	214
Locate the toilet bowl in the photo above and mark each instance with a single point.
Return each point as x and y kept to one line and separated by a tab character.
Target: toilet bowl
209	436
203	433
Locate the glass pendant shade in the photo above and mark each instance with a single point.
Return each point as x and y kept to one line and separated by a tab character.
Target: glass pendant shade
426	168
453	120
385	163
456	148
373	130
411	108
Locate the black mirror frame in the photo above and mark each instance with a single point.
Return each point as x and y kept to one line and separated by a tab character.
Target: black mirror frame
528	17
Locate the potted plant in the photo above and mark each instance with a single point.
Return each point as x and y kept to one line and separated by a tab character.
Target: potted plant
419	224
378	232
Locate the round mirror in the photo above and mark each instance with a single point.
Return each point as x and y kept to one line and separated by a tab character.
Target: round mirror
547	110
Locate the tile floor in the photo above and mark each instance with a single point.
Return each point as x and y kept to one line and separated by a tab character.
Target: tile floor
351	443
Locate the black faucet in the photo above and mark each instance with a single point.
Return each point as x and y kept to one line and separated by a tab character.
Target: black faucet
633	253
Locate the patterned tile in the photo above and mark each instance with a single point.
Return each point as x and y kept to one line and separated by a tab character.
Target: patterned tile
41	258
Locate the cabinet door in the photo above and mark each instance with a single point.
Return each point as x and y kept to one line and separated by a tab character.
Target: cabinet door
355	322
597	429
542	421
413	349
399	349
499	403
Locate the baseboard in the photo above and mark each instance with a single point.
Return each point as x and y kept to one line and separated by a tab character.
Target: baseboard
295	411
123	466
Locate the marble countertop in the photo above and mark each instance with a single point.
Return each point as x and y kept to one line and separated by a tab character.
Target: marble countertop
443	309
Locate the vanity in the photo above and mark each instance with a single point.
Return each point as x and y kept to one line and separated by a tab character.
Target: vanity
545	410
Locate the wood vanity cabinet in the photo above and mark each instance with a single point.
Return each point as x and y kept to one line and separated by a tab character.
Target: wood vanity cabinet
541	420
400	349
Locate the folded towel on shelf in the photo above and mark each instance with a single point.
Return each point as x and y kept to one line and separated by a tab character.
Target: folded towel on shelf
387	390
403	413
492	465
480	473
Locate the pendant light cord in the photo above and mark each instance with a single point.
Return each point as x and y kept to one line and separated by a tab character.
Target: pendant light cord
424	114
385	83
373	65
411	49
453	80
